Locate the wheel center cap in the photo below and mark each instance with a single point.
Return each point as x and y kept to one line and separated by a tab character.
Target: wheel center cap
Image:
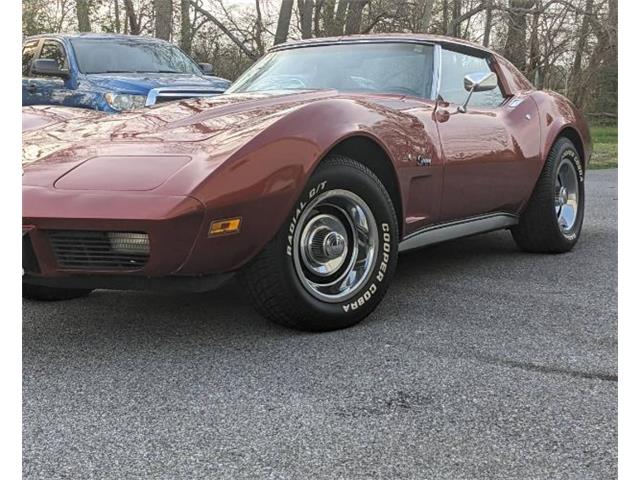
564	195
324	245
333	245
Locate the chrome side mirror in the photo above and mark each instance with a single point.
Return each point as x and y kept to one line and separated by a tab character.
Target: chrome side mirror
206	68
478	82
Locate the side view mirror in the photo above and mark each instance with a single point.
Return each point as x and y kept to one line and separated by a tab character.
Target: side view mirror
478	82
206	68
49	68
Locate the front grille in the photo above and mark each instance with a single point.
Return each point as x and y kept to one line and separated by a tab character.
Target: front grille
168	99
168	94
82	250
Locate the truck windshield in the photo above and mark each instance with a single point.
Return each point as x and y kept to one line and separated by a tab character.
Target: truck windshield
95	55
401	68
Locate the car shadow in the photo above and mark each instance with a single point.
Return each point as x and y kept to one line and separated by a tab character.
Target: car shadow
226	311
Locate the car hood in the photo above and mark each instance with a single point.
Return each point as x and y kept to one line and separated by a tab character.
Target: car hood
40	116
204	131
141	83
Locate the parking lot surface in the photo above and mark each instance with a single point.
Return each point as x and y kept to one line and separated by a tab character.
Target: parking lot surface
482	362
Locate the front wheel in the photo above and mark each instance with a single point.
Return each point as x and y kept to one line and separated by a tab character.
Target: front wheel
552	220
331	262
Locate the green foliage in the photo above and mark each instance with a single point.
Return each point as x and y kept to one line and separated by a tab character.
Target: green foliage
605	147
604	134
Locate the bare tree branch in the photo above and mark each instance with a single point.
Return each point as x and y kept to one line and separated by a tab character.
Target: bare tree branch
225	30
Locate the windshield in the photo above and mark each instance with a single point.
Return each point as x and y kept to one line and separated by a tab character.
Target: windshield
402	68
97	55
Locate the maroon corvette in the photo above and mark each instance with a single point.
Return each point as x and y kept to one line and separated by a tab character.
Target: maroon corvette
320	163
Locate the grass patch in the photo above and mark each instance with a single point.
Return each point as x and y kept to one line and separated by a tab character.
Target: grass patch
605	147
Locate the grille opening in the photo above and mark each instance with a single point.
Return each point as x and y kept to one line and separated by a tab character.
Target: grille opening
170	95
97	250
29	259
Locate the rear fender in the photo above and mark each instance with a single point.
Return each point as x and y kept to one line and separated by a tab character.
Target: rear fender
559	117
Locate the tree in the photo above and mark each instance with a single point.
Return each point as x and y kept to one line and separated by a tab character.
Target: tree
534	46
488	19
425	19
164	18
185	26
565	45
305	7
453	28
328	16
354	16
515	48
284	19
82	11
581	44
231	35
116	14
134	25
340	18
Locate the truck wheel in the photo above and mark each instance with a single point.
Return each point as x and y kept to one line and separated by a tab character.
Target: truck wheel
331	262
50	294
552	220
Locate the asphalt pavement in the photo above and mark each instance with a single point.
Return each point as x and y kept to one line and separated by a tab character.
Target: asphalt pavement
482	362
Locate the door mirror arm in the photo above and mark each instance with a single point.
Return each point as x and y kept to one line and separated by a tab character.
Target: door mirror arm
477	82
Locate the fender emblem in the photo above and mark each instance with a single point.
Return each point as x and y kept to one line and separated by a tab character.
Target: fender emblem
423	161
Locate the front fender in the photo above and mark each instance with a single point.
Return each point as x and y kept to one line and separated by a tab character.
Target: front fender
263	179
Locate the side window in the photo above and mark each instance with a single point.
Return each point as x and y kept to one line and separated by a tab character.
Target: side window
455	66
28	52
54	51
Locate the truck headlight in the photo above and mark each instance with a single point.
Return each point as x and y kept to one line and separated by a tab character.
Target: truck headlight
124	101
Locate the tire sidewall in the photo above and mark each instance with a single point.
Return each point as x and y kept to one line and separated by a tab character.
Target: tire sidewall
568	151
365	299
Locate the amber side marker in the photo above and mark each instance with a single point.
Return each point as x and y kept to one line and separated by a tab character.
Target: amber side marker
225	227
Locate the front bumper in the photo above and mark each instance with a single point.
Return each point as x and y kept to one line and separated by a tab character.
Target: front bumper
173	223
173	283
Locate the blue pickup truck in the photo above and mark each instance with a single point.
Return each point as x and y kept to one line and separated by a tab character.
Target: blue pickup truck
110	72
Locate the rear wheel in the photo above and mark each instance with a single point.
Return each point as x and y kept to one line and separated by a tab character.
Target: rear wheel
331	263
552	221
50	294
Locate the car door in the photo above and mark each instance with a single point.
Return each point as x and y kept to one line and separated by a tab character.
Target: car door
487	159
29	51
51	90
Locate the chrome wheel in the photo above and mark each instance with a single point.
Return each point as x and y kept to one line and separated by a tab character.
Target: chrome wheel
567	195
335	245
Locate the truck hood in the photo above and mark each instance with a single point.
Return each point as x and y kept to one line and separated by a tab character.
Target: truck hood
141	83
204	131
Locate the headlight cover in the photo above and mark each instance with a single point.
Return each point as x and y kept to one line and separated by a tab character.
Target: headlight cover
124	101
129	243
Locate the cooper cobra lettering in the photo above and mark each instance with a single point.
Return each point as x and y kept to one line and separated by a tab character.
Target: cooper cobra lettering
382	270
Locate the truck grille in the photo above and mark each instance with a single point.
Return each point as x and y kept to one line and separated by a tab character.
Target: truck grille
168	94
87	250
